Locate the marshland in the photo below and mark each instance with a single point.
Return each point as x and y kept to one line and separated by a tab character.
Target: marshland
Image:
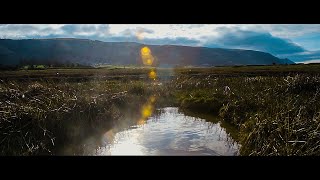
240	110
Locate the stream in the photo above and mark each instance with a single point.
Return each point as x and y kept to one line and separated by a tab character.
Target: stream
167	132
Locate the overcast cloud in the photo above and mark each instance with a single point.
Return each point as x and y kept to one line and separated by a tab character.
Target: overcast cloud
277	39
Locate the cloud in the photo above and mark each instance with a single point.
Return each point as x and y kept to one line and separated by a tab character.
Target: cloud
310	61
152	41
138	33
14	31
85	30
309	41
303	56
167	30
173	41
18	31
279	30
145	30
240	39
282	40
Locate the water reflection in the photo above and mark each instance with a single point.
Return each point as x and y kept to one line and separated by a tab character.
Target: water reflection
147	110
169	132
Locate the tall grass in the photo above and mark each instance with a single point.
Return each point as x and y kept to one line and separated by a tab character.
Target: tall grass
38	115
274	115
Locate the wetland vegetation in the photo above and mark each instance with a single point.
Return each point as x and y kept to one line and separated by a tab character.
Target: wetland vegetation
268	110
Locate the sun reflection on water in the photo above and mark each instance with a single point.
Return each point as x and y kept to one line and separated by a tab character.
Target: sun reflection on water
170	133
146	111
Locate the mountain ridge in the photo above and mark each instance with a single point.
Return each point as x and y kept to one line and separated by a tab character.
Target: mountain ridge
92	52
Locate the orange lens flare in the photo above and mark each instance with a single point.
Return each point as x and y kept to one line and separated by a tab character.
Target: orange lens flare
147	110
149	62
145	51
146	56
152	75
147	59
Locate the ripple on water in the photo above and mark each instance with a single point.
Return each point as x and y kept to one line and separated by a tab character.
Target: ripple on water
170	133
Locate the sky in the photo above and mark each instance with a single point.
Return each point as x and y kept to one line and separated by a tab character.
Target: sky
300	42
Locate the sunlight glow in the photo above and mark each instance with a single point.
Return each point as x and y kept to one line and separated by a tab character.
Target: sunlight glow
126	148
172	133
127	145
139	35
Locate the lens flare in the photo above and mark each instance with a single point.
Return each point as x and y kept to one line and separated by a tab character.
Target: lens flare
149	62
147	110
146	56
152	74
145	51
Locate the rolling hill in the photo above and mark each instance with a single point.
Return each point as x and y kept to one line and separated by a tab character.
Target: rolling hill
92	52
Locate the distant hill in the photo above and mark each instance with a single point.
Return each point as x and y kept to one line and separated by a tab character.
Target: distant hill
91	52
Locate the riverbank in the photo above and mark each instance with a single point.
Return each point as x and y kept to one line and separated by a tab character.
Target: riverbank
275	112
274	115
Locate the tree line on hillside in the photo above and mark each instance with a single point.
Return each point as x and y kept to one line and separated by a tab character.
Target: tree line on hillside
38	64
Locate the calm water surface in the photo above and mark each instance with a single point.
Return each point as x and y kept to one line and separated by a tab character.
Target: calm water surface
169	132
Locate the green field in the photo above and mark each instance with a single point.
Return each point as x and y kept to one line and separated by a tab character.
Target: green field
274	109
120	71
